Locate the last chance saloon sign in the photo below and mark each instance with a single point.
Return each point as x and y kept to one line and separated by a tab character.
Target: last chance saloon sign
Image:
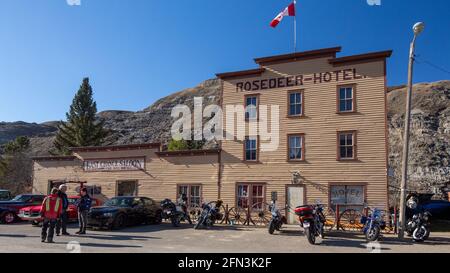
118	164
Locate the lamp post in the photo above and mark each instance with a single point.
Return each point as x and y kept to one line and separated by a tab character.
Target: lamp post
418	28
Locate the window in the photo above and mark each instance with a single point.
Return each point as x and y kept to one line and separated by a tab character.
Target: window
193	194
251	107
346	145
296	103
127	188
296	147
251	149
347	195
346	99
250	195
148	201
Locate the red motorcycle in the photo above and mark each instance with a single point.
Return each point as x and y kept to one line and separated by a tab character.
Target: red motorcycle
312	220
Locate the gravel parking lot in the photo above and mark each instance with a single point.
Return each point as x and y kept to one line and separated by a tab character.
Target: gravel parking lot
24	238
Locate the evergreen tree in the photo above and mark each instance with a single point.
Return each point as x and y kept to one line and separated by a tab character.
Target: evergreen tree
81	128
16	166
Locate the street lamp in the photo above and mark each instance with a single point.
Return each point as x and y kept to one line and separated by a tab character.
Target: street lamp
417	28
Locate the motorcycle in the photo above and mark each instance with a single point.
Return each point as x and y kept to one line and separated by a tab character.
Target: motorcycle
277	219
373	225
209	215
312	220
419	225
175	213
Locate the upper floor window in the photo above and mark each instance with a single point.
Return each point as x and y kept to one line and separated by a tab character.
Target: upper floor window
296	147
346	99
251	107
346	145
296	103
251	149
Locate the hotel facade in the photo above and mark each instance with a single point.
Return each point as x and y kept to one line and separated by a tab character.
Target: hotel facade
331	142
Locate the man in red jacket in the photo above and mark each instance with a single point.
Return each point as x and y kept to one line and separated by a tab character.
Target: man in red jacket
51	211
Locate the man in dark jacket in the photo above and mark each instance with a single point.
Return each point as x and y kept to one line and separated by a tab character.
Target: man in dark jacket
84	205
62	221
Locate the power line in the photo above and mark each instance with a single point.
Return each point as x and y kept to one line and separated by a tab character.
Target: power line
435	66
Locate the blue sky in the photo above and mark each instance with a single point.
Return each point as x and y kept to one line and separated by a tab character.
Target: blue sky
138	51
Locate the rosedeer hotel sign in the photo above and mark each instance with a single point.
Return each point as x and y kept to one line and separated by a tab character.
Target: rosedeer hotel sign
299	80
119	164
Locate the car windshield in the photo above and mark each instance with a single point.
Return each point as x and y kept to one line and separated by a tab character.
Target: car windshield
22	198
119	202
72	200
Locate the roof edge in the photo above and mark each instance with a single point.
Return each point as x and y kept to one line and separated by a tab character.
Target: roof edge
115	147
242	73
53	158
299	55
361	57
188	152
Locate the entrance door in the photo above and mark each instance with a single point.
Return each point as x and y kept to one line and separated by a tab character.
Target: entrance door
127	188
295	197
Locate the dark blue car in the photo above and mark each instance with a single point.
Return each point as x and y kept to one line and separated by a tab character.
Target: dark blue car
10	209
439	209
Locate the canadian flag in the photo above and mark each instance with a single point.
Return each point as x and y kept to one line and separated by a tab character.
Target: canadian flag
289	11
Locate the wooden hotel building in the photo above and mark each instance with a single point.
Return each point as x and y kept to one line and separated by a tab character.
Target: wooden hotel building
332	141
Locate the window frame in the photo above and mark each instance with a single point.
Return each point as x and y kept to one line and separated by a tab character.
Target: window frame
245	149
302	107
257	96
354	145
136	182
250	197
338	98
364	185
189	186
303	158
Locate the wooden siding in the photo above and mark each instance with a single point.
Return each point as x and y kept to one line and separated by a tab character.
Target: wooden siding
319	125
158	181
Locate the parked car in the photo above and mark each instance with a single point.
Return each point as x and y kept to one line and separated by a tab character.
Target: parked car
5	195
120	212
439	209
32	213
19	202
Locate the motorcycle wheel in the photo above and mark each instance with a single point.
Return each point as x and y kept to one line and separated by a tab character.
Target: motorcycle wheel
373	234
199	223
322	232
309	233
419	234
175	221
271	227
427	235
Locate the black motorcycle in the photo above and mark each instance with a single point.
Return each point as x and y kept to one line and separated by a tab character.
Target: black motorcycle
419	225
175	213
210	214
277	219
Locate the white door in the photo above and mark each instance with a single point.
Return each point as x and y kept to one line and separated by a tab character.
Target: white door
295	197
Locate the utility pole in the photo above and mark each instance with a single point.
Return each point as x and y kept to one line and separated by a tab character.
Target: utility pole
418	28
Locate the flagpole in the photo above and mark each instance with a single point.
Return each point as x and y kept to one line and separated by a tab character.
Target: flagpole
295	27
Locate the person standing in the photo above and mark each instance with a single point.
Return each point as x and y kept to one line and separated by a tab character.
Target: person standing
50	211
84	205
61	225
